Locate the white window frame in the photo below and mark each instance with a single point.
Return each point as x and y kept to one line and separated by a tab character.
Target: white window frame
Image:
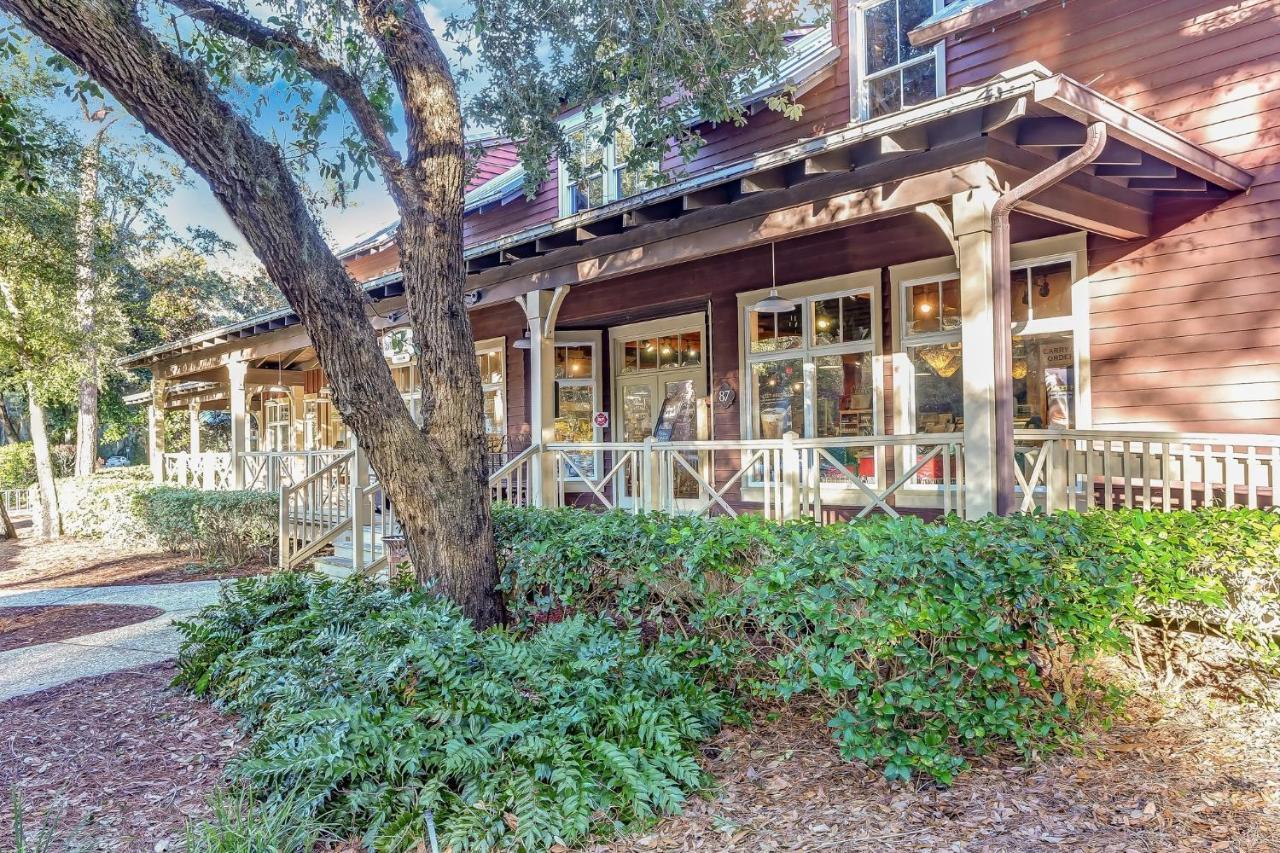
495	346
860	103
806	294
1070	248
611	166
593	339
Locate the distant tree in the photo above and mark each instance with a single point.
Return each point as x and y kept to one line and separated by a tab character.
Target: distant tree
355	71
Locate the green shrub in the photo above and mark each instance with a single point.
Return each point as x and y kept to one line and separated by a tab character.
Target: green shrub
17	465
378	708
225	528
239	824
930	641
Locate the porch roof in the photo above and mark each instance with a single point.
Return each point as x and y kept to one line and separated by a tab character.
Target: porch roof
1023	120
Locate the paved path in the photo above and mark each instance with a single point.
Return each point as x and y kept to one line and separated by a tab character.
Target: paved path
35	668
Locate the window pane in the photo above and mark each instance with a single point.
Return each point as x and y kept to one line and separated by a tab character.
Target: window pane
669	351
923	315
772	332
648	354
630	356
573	423
573	362
494	418
884	95
691	349
843	319
779	397
842	407
1019	297
950	296
1051	291
1044	381
882	42
939	387
919	83
911	13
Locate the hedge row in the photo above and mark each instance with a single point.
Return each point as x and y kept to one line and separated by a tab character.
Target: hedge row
931	641
222	528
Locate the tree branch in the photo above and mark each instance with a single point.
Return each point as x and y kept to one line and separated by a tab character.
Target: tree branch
340	81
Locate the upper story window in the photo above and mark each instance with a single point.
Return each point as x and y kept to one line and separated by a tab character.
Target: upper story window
892	74
602	174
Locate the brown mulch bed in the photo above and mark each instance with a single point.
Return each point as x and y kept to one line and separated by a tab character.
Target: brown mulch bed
1198	775
29	626
28	563
119	762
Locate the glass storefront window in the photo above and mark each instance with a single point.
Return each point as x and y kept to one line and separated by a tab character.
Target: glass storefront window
1044	381
779	397
573	361
842	319
668	351
493	386
933	307
939	387
575	405
1040	292
773	332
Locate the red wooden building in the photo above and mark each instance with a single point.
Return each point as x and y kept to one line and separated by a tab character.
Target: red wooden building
1051	219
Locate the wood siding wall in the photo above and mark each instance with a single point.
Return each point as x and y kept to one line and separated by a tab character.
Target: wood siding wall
1185	326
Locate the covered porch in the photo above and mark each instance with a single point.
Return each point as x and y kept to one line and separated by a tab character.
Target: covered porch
893	317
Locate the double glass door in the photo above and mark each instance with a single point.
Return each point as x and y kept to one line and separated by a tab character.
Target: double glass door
661	386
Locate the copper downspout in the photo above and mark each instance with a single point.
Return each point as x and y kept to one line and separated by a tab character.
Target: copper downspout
1002	307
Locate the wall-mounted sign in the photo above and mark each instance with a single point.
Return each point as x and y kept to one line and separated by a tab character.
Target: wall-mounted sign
601	419
725	395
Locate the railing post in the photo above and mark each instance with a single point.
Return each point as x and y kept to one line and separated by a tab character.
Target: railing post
651	475
1056	494
360	515
285	539
790	477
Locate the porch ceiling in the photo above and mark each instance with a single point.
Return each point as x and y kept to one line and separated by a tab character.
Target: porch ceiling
998	133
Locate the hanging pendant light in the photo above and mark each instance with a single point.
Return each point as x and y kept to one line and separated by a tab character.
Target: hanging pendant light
773	303
524	341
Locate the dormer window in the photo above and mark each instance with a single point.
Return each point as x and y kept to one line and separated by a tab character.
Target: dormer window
601	175
892	73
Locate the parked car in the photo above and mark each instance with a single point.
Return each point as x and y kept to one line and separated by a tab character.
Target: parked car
117	462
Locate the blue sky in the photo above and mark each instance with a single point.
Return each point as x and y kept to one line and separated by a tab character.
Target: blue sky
368	208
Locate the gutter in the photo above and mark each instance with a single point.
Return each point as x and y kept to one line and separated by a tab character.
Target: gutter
1002	297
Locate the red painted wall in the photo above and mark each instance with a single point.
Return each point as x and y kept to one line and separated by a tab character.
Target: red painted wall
1186	326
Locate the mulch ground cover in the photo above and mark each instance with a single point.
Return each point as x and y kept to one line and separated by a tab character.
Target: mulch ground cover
118	762
28	563
29	626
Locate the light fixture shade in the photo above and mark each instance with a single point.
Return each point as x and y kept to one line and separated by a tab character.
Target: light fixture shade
523	342
773	304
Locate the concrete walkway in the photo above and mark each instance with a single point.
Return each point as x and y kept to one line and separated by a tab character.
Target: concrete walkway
35	668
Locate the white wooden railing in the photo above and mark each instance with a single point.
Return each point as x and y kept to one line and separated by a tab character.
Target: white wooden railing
1087	469
794	478
271	470
16	501
207	471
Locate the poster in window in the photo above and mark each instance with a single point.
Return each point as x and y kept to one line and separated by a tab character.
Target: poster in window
675	420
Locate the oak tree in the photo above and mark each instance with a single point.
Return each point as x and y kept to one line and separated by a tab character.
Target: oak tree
374	94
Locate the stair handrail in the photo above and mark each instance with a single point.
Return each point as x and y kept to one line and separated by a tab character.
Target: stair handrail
287	557
513	463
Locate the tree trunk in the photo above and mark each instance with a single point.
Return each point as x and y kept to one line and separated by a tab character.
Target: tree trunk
86	306
435	475
13	433
10	532
47	521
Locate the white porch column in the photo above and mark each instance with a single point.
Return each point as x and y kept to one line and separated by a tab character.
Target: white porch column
155	430
236	372
540	309
193	424
986	348
298	419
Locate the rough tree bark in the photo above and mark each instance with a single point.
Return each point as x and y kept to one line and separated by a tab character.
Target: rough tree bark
435	474
46	519
86	302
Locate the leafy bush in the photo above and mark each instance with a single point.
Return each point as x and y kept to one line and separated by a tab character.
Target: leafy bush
17	465
931	642
226	528
240	824
379	709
